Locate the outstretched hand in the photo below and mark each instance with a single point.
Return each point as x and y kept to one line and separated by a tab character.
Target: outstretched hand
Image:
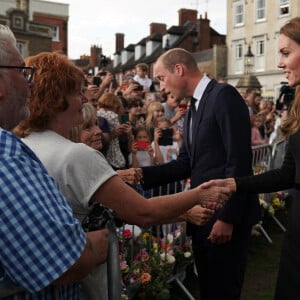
228	183
213	197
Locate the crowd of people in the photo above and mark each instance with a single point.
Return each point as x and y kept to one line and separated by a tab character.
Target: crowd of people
68	142
47	189
266	116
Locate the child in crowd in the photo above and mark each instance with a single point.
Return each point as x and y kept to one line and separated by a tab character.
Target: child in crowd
142	154
154	111
142	76
165	144
136	115
256	138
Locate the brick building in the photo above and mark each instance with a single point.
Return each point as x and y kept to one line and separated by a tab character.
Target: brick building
192	33
38	25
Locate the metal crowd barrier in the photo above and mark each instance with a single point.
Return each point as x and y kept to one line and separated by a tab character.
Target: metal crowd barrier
265	158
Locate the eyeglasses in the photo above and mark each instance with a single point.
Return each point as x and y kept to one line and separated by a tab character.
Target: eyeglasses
27	71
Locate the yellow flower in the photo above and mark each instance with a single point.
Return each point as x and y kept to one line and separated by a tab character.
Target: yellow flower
276	202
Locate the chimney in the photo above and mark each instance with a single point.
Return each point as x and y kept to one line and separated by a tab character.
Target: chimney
186	15
204	32
95	55
158	28
119	42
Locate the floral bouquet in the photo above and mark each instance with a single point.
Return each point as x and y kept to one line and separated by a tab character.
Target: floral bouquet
148	261
276	201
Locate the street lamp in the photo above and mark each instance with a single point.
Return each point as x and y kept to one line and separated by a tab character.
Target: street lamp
249	61
248	80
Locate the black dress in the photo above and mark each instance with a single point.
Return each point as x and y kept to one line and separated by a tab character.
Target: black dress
286	177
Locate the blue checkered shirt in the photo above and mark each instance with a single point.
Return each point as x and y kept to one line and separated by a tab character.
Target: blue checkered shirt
39	238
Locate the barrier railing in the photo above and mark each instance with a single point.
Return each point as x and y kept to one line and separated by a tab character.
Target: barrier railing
268	157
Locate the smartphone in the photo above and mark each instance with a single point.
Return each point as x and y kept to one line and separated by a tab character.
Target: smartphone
142	145
183	106
166	137
96	80
139	88
124	118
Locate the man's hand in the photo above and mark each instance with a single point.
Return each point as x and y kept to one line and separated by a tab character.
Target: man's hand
221	232
228	182
131	176
198	215
213	197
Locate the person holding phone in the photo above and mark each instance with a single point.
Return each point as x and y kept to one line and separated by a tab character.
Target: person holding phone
164	145
142	153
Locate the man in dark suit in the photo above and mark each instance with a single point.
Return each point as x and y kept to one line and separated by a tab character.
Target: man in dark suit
216	144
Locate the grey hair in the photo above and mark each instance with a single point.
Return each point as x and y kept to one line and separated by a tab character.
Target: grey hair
6	37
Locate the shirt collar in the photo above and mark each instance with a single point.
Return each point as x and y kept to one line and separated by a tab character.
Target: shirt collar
200	88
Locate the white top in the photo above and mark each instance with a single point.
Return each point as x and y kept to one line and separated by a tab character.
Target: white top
169	152
79	169
145	81
142	158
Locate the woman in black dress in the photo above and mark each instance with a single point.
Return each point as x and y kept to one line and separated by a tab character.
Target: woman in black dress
288	175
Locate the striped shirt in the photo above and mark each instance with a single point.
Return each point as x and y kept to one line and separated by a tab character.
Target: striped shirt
39	238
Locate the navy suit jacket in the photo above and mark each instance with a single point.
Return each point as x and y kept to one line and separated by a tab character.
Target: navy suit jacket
221	148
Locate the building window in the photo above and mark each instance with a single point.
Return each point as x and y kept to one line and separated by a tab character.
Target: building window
260	10
284	7
238	14
238	57
55	33
18	22
259	54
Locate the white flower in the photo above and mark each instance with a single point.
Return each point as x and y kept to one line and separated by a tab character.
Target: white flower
187	254
170	259
170	238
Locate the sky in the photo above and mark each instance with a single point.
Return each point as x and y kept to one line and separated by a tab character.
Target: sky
95	22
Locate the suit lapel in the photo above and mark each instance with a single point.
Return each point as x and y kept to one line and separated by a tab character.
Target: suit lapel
199	114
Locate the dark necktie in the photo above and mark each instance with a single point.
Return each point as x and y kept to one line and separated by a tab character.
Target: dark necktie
193	107
193	114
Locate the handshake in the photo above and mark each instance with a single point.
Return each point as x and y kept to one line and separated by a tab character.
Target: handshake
214	194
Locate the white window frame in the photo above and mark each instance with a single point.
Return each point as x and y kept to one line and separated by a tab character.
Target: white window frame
284	7
238	57
259	53
239	13
55	33
260	10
